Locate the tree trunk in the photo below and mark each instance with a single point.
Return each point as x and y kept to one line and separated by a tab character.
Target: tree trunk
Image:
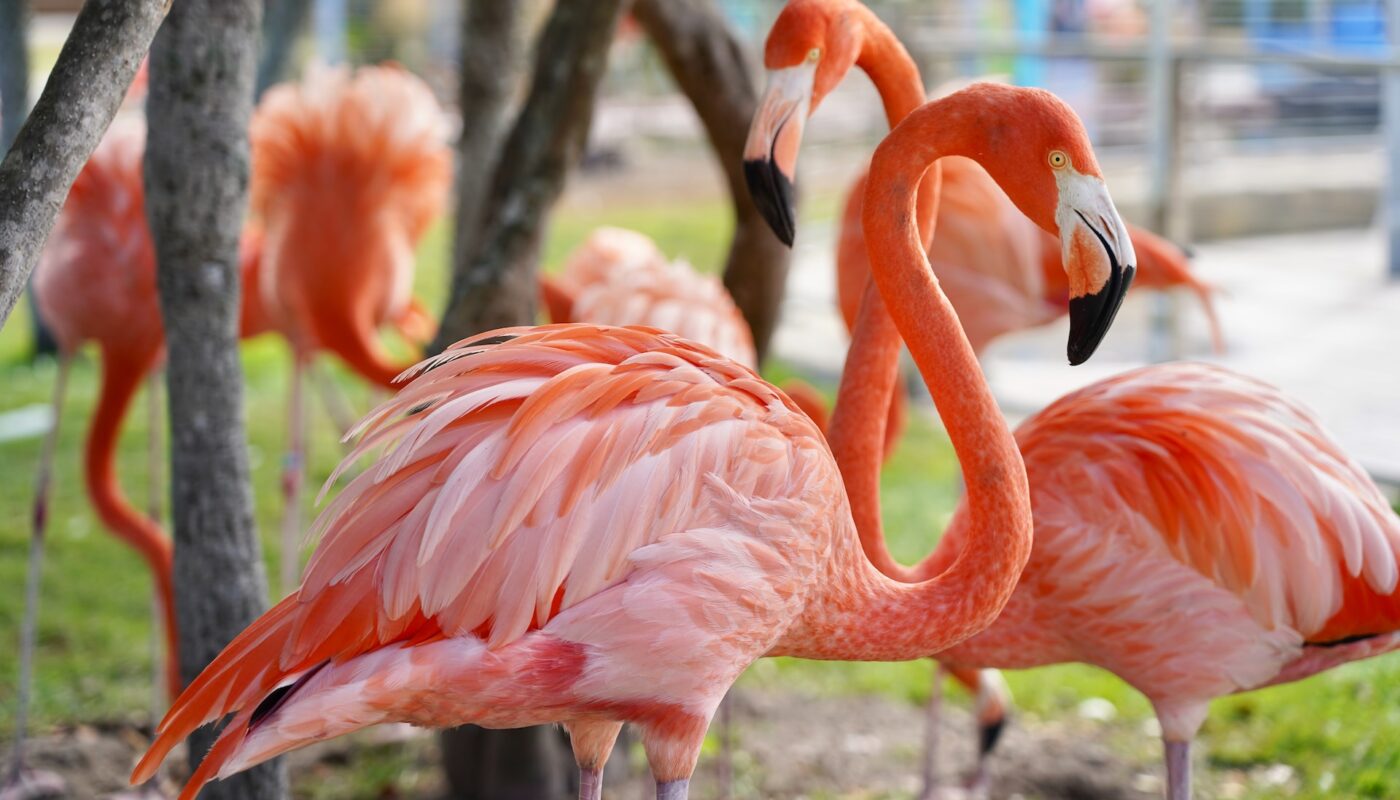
496	286
493	49
197	158
711	66
493	282
14	69
93	72
283	22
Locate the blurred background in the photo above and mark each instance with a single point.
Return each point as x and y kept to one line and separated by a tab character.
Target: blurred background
1264	135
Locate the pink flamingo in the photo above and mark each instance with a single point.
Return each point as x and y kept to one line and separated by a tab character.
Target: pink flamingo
349	169
597	525
620	277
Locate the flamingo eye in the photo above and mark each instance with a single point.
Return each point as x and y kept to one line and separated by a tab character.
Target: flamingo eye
814	55
1058	159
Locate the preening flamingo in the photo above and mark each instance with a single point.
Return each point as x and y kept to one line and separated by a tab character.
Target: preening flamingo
596	525
620	277
349	169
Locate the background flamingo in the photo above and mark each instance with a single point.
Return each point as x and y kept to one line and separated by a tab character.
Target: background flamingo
620	277
349	169
596	525
1197	534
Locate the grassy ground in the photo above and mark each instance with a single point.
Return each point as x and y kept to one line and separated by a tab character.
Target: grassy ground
1339	733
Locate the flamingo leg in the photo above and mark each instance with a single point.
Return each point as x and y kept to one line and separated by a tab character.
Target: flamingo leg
933	714
337	407
1178	756
293	473
590	784
673	790
20	782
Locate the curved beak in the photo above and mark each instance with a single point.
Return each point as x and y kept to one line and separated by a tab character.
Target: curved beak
1098	258
770	153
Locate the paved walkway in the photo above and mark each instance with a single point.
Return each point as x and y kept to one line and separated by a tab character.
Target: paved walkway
1309	313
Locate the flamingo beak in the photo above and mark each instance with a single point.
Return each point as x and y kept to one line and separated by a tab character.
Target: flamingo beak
770	153
1098	257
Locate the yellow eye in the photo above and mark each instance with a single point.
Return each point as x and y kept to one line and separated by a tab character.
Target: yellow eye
1058	159
814	55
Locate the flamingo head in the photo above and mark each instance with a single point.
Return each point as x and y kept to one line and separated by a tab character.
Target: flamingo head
1036	148
811	47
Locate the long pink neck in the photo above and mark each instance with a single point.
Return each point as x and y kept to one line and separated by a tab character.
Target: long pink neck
858	614
868	381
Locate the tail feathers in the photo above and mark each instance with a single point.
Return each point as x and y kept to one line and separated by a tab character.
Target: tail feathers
421	684
243	673
122	374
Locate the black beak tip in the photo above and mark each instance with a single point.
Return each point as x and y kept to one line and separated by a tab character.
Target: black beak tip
773	193
1091	315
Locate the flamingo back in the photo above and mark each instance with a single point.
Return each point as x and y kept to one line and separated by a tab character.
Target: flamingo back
1229	477
607	252
672	297
96	279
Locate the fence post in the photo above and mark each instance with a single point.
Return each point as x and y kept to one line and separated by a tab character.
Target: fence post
1390	196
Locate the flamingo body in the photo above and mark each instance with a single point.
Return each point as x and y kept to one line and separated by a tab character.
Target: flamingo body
528	547
1197	533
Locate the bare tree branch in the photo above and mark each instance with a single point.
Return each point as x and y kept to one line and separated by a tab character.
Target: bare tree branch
96	66
712	68
197	165
493	48
496	287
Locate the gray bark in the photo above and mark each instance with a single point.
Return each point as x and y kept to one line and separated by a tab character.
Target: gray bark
283	22
496	287
14	69
87	85
196	178
712	67
493	49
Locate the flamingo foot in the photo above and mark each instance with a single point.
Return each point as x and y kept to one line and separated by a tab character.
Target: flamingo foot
673	790
33	784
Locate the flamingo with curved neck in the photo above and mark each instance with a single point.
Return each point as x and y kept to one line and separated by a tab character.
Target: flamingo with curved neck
594	525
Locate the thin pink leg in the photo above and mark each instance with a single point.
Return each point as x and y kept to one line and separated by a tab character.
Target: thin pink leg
337	406
673	790
293	473
19	780
1178	770
590	784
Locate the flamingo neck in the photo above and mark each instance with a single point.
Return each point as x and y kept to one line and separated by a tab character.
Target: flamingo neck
857	613
870	377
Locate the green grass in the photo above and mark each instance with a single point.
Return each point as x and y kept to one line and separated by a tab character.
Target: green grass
1339	731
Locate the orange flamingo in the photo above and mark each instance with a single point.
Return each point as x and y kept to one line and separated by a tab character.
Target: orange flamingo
96	281
596	525
1179	510
349	169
